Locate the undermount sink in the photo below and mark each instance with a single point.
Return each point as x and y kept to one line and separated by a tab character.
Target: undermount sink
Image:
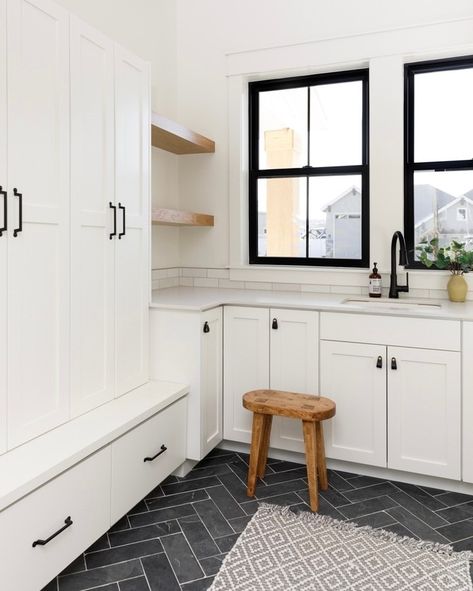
388	304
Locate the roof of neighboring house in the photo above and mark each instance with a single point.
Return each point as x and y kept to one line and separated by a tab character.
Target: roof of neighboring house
469	194
463	199
352	189
424	197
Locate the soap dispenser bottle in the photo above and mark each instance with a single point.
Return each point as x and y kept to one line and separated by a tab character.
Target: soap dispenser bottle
375	283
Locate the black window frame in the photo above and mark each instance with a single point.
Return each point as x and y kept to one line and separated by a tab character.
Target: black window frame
410	166
254	89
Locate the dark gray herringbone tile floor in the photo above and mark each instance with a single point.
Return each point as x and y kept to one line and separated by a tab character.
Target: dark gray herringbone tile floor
176	538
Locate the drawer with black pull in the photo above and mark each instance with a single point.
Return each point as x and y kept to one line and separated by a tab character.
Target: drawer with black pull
46	530
146	455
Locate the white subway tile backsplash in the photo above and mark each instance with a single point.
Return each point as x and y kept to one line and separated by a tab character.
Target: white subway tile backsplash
315	288
189	272
258	285
345	290
202	277
218	273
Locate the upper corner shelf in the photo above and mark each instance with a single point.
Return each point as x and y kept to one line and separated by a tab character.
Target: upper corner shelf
172	137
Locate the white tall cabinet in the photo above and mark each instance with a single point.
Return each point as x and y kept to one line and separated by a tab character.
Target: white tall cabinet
38	234
132	164
74	148
92	217
3	222
110	218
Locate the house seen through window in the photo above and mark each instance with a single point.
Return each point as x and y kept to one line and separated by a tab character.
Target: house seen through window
439	153
309	170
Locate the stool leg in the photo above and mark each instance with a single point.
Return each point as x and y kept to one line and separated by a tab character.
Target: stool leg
311	459
263	452
256	434
321	465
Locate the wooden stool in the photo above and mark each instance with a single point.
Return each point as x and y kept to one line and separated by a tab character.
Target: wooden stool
264	404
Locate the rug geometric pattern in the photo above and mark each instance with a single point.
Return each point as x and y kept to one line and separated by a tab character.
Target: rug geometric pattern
282	551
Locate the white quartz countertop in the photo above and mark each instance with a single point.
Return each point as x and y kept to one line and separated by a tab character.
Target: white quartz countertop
199	299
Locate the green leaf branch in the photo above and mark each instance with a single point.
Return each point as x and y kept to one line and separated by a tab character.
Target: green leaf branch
453	257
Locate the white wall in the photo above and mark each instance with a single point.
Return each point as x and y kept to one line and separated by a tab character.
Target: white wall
148	29
222	44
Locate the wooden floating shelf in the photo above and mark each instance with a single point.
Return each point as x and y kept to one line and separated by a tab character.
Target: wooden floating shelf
177	217
173	137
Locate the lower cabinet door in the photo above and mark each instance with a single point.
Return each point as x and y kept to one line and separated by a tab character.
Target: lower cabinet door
146	455
424	410
246	366
211	381
76	502
354	376
294	367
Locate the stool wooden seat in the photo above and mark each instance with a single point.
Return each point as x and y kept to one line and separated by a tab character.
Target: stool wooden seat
312	410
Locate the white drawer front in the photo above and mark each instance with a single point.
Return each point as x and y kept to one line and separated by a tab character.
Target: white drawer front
132	477
83	494
421	333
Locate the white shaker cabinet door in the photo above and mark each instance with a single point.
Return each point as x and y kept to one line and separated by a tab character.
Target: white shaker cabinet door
132	154
38	250
211	380
424	411
4	235
246	365
354	376
92	207
294	345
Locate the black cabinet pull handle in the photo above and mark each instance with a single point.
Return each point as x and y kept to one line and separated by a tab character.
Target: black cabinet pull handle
206	327
5	211
123	232
114	207
275	324
393	363
16	231
67	523
379	363
163	449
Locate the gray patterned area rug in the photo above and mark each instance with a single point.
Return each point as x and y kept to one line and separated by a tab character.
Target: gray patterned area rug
283	551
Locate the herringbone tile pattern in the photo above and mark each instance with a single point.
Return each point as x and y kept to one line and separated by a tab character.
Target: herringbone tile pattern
176	538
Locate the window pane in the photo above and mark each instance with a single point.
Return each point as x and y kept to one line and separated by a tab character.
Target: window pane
443	117
282	217
335	217
336	119
443	206
283	128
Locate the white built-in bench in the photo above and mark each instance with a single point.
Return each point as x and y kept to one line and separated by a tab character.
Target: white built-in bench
82	477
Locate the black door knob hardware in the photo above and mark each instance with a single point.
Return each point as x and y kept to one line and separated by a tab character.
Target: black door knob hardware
206	327
114	207
4	228
161	451
16	231
275	325
393	363
67	523
379	362
123	232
